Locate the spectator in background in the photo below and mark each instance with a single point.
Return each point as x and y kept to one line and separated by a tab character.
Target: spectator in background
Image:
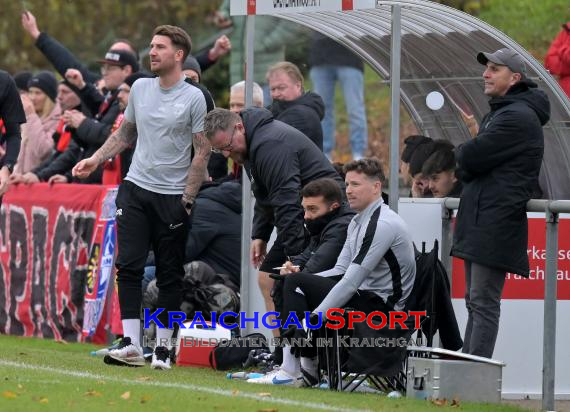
42	116
237	104
60	57
499	168
272	36
91	133
331	62
411	143
439	168
11	117
191	69
420	183
557	59
68	99
237	96
292	105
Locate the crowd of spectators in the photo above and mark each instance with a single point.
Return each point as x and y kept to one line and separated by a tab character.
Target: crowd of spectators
337	241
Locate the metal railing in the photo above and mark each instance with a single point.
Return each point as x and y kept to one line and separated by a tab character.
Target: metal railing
551	209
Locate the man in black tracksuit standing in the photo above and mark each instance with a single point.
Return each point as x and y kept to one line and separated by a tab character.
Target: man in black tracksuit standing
282	161
499	169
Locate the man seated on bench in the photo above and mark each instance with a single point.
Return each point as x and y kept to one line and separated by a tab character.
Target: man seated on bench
375	270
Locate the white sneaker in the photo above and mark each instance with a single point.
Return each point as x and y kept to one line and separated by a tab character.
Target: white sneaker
125	354
279	377
160	358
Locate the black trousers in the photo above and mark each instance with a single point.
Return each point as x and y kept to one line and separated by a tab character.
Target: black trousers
146	219
315	288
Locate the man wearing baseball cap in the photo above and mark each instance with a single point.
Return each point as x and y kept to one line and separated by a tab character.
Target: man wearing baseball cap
121	58
499	168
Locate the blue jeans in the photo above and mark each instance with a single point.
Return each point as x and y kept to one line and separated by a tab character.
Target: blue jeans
352	82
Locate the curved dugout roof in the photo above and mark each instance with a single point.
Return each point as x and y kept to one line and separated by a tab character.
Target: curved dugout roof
439	45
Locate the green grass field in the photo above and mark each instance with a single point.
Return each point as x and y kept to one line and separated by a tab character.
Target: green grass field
43	375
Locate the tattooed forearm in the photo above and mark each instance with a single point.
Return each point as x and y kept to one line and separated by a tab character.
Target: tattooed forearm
198	172
125	136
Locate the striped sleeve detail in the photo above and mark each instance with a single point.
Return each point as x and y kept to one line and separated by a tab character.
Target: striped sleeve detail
396	295
389	256
368	237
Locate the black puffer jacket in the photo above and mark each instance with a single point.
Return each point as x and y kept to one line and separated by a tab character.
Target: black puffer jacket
304	113
215	229
323	249
282	161
499	169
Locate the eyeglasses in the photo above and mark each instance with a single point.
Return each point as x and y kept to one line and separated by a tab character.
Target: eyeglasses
109	68
227	147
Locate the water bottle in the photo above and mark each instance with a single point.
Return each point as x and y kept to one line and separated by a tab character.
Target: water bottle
243	375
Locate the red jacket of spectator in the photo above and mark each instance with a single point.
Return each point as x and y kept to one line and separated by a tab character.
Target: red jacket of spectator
558	58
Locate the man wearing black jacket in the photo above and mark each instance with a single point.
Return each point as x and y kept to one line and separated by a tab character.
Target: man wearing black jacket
499	168
292	105
326	218
215	229
282	160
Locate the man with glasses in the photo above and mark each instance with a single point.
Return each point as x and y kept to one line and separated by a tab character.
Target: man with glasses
282	161
165	117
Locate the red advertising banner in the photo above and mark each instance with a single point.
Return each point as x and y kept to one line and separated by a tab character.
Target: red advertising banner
517	287
45	243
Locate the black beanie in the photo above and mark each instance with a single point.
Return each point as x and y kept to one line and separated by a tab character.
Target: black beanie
412	143
21	79
72	87
46	82
192	64
420	155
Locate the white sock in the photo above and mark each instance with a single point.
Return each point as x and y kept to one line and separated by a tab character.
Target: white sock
291	364
132	329
310	365
163	337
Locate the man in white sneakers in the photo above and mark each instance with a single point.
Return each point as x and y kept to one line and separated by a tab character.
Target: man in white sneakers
165	117
375	271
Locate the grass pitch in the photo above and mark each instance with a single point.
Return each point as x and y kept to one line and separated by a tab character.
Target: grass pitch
43	375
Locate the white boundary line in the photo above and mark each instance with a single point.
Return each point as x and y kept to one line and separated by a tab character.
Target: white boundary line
87	375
